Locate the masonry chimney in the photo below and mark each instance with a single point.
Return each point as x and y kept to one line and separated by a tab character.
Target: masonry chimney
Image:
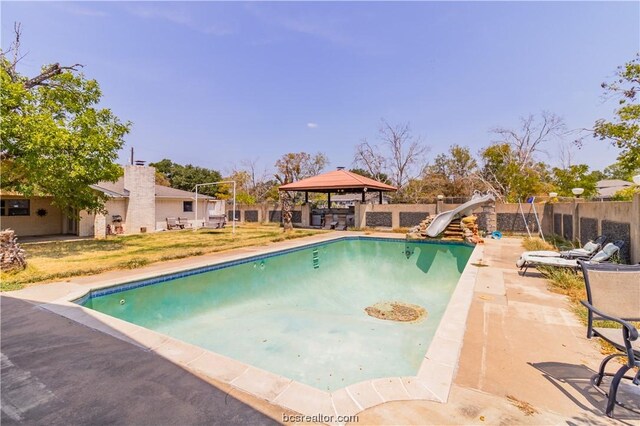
139	181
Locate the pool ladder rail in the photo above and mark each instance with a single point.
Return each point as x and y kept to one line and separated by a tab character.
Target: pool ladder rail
316	259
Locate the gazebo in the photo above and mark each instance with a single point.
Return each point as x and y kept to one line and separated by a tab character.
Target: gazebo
339	181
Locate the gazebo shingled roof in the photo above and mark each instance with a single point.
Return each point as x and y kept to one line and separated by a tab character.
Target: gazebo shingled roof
338	180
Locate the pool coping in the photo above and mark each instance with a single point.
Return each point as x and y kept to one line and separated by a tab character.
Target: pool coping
433	381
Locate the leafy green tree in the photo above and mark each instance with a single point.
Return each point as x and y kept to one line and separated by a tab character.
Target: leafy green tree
624	131
626	194
575	176
618	171
56	141
452	174
503	174
187	177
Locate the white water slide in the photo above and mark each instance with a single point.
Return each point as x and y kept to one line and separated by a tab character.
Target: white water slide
442	220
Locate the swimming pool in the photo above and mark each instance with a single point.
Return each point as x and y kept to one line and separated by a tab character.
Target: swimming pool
300	313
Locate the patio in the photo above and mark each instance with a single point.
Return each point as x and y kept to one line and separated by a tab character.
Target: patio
519	363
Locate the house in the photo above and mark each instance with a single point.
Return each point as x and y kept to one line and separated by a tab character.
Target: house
135	204
607	188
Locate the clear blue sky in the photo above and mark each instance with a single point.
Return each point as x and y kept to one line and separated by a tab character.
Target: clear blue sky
215	83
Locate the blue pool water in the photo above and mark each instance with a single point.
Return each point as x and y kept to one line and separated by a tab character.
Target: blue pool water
301	313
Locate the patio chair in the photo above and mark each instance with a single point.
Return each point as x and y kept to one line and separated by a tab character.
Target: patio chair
603	255
613	293
172	223
584	252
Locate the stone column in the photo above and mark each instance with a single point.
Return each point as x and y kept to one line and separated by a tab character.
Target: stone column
306	215
489	210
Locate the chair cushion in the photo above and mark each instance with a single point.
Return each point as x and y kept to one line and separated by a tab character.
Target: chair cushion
606	253
614	336
590	247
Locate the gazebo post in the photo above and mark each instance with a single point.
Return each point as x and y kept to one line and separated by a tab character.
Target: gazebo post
380	197
363	196
306	197
328	200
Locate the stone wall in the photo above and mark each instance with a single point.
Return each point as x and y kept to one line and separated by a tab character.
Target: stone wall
567	227
513	222
619	231
588	229
251	215
409	219
378	219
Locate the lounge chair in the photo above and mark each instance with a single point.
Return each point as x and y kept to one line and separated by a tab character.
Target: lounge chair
603	255
172	223
585	252
613	293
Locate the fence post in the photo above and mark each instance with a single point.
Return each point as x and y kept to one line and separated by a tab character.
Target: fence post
635	229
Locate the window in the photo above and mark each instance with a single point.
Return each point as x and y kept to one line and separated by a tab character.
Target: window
2	211
15	207
187	206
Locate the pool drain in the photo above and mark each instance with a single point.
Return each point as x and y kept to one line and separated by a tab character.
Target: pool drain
396	311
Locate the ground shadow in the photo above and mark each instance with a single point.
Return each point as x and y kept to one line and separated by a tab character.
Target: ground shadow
58	371
578	377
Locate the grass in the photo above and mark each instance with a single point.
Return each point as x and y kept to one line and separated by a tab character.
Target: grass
535	244
58	260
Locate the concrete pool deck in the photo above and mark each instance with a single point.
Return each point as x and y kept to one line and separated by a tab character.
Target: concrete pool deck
520	341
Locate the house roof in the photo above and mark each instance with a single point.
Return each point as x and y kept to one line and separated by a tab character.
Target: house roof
117	190
337	180
608	187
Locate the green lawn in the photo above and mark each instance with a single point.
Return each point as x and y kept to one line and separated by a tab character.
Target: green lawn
55	260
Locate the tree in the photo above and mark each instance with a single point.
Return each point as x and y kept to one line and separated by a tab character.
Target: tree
55	140
400	155
624	132
617	171
575	176
505	177
452	173
254	185
382	177
292	167
187	177
510	168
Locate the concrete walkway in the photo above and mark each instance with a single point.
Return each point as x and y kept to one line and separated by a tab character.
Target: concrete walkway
525	359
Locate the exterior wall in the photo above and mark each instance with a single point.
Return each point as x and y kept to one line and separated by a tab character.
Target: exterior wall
621	219
141	209
373	215
114	206
33	224
174	208
582	221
